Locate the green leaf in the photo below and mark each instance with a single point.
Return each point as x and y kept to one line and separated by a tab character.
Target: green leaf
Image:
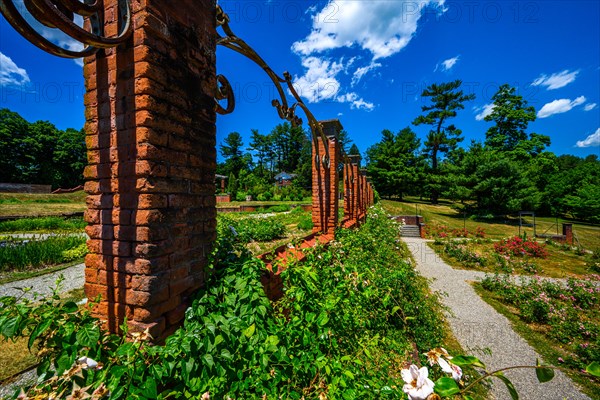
468	398
208	360
39	329
349	374
10	327
593	369
226	354
463	361
88	336
149	388
511	388
543	374
446	387
323	319
249	332
70	307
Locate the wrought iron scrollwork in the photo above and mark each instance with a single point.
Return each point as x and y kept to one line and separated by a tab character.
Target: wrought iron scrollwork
60	14
284	109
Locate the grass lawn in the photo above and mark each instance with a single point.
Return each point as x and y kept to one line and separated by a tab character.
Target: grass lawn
444	214
536	334
24	204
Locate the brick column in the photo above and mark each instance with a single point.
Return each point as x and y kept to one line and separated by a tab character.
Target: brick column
150	126
355	185
326	179
568	233
348	211
363	192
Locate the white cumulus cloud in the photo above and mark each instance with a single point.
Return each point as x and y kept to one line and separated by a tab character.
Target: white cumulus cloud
592	140
590	106
381	27
484	111
447	65
320	83
559	106
362	71
11	74
556	80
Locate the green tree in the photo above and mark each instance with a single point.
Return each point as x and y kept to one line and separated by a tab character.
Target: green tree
232	151
511	116
13	147
446	99
393	162
69	158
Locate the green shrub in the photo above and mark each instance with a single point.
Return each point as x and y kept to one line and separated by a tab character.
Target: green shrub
43	224
279	208
349	319
17	254
306	223
75	253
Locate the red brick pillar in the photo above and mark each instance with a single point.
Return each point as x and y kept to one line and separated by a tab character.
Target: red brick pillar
325	178
347	191
568	233
355	185
150	126
363	192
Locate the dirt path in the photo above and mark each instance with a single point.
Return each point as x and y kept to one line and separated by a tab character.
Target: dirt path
478	326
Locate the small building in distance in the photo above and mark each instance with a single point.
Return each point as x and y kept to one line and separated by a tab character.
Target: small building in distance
284	179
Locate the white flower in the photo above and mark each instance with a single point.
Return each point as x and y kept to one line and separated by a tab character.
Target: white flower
439	356
418	386
450	368
205	396
88	363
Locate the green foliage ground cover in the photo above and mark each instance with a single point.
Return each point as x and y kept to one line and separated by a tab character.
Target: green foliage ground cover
35	253
352	315
43	224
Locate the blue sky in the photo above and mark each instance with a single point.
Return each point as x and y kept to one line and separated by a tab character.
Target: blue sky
366	63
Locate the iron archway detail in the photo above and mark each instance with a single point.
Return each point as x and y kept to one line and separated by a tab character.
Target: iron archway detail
60	14
285	111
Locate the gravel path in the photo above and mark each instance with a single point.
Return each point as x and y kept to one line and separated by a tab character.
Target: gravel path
43	285
478	326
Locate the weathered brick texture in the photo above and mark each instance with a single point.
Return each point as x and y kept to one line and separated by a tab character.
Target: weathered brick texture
150	126
325	179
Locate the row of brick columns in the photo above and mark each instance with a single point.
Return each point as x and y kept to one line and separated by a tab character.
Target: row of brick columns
358	192
151	139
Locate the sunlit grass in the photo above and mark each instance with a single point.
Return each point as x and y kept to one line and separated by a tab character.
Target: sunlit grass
25	204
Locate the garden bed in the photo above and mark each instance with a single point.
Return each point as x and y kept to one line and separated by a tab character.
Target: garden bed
562	322
549	259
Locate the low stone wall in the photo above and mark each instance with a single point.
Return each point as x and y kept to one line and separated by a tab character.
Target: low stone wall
24	188
410	219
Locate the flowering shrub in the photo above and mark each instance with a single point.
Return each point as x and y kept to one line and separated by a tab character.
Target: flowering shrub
517	246
569	311
442	231
479	232
460	251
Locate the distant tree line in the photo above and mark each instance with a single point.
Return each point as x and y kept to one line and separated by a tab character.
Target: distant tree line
511	170
251	170
39	153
